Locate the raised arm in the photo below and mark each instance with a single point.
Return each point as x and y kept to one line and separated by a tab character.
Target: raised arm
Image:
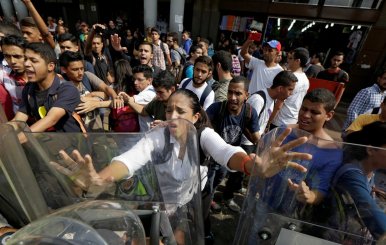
41	25
244	51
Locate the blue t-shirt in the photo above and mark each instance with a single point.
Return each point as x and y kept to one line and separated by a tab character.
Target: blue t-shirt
231	127
321	169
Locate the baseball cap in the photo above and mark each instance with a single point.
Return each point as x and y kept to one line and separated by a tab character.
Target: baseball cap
274	44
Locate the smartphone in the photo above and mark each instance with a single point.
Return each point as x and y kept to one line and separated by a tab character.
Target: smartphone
255	36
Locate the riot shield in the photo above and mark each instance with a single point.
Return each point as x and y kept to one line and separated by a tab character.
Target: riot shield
164	191
276	211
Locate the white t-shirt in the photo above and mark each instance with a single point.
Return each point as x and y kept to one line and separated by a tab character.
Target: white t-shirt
288	114
143	98
175	177
257	102
198	91
262	76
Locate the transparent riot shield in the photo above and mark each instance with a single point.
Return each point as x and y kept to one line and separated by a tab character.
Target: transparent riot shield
163	189
281	210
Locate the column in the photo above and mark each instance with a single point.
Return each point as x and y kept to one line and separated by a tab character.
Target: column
150	12
21	9
197	12
7	7
176	19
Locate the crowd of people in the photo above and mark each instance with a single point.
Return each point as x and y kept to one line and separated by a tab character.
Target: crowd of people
105	78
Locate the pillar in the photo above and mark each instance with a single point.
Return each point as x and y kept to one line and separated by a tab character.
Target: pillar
20	9
176	19
150	12
7	7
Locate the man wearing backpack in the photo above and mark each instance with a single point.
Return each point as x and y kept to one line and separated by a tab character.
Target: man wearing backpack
230	119
222	62
177	54
202	71
161	52
263	100
72	66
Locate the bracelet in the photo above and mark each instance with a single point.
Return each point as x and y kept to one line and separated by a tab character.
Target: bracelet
245	159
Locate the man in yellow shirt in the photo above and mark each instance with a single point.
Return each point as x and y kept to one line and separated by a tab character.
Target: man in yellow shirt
365	119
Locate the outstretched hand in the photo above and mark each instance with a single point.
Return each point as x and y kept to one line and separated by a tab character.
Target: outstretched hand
82	172
116	43
278	156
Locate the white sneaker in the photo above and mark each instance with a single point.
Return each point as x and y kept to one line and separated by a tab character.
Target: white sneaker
232	205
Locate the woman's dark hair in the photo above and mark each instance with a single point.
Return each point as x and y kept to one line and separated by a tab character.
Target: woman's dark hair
193	49
203	120
123	77
373	134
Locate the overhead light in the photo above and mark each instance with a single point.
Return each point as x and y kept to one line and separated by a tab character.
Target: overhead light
326	26
332	24
352	28
278	22
359	27
313	23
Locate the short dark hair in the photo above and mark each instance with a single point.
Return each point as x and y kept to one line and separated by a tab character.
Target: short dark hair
373	134
67	37
241	79
381	73
284	78
224	58
148	44
165	79
14	40
145	69
322	95
68	56
302	54
204	40
9	29
154	29
338	53
186	32
44	50
28	22
194	48
320	56
174	35
205	60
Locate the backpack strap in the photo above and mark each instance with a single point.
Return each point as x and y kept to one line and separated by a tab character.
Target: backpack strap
205	94
221	113
247	115
163	51
183	58
186	83
86	82
263	95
